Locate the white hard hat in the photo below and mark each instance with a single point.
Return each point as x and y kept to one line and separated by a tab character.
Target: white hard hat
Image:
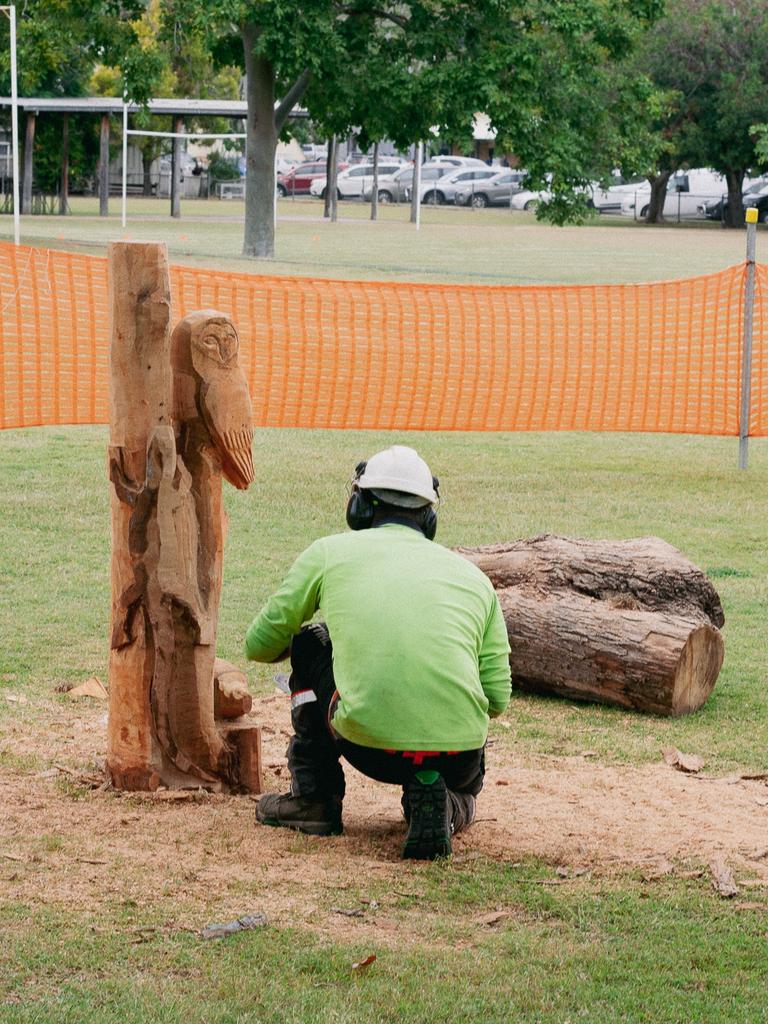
400	476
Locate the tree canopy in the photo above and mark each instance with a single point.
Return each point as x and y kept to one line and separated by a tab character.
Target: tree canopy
710	60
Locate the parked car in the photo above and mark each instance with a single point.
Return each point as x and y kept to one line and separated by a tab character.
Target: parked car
760	202
351	181
444	189
298	181
686	192
494	191
717	209
526	199
457	161
398	188
609	200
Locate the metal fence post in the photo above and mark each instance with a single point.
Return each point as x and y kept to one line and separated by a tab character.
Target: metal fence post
746	352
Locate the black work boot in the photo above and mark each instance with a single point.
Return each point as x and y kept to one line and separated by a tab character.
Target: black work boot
461	805
429	816
462	810
314	815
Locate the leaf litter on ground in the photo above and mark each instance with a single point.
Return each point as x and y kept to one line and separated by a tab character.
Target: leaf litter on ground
689	763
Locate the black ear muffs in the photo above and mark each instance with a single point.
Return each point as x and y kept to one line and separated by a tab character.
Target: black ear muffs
429	520
360	507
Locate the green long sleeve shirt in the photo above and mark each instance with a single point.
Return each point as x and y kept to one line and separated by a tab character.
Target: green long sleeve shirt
420	649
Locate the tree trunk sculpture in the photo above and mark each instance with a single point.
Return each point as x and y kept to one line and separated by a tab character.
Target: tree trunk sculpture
631	623
180	419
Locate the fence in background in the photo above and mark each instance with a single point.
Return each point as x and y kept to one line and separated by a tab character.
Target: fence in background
359	354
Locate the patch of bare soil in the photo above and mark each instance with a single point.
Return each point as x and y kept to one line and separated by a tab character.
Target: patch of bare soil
204	859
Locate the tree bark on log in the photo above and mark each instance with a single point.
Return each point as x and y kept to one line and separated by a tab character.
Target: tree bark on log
631	623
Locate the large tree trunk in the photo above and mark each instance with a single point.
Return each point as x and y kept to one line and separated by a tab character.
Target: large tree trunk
659	182
631	623
262	129
64	183
147	159
260	146
177	127
735	213
104	167
29	155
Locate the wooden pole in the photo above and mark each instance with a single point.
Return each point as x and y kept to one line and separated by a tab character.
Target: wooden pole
375	192
416	187
104	167
140	401
29	146
180	420
331	183
176	179
64	186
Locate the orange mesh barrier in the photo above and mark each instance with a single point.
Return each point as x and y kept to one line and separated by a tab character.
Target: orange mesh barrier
356	354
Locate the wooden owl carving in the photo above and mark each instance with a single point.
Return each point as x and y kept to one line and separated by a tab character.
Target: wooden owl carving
208	384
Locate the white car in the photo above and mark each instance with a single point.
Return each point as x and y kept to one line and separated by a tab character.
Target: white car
687	191
444	189
528	200
457	161
609	200
353	181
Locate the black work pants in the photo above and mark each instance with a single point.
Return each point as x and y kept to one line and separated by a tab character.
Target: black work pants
315	749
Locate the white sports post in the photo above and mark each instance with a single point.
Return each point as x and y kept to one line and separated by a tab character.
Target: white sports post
161	135
10	13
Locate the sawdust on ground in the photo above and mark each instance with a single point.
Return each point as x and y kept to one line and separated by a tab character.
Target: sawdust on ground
204	858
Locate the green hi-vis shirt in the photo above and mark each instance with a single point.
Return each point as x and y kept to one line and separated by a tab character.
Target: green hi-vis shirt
420	649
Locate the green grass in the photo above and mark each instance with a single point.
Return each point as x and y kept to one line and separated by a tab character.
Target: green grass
600	951
671	953
54	555
493	246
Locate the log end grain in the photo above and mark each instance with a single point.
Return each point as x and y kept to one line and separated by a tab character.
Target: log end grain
698	668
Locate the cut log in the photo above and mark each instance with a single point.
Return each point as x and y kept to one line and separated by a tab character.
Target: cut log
231	698
630	623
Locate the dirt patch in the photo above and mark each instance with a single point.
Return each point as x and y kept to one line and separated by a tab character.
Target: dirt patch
206	860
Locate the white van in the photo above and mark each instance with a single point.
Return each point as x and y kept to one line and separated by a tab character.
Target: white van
686	192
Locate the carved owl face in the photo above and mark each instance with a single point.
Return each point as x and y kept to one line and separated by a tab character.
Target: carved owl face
216	340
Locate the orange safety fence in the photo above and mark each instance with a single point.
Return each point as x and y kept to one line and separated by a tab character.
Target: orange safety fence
388	355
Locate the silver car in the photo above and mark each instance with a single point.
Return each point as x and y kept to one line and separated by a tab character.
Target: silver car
398	189
495	191
444	189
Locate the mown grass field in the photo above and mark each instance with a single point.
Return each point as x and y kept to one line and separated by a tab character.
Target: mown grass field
595	949
492	246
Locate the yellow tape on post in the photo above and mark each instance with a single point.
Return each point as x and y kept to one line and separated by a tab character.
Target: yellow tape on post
751	215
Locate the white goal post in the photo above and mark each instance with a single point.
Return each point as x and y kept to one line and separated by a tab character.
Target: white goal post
10	13
160	135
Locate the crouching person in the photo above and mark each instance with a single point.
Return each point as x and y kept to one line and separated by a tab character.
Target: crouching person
403	674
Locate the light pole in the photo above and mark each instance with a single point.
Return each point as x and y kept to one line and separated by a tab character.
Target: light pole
10	13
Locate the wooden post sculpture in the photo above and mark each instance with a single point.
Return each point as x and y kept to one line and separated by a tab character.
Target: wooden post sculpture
180	419
631	623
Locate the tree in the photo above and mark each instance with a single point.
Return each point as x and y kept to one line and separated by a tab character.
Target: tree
710	58
527	63
182	70
59	43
